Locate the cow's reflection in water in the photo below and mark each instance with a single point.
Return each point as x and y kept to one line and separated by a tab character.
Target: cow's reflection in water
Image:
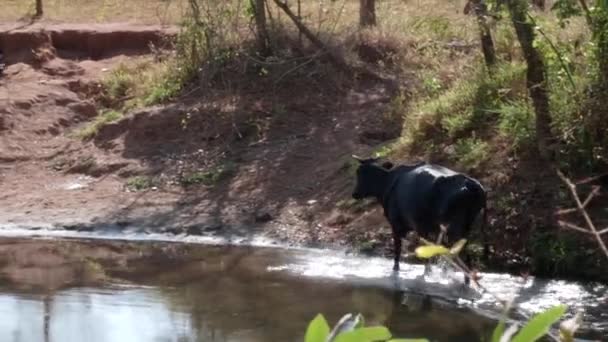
428	310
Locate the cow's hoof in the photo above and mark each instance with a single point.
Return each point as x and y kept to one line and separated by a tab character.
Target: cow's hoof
467	281
427	269
396	268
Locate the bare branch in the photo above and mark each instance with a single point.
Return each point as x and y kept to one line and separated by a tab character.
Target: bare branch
603	231
574	227
585	8
565	211
592	194
460	265
581	209
599	178
338	61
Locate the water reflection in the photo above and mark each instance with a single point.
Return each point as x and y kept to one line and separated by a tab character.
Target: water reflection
200	312
218	294
230	293
90	315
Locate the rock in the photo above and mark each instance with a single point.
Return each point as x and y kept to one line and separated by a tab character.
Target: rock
123	224
263	217
214	227
449	150
201	230
172	230
84	108
194	230
75	227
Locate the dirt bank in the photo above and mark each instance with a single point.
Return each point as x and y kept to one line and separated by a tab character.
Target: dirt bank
249	156
286	158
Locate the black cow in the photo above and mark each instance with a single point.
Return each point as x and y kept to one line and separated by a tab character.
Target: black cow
421	198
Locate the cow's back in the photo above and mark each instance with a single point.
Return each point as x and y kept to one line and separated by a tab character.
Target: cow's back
412	197
421	192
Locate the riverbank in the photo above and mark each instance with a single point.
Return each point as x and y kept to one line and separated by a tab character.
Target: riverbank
252	160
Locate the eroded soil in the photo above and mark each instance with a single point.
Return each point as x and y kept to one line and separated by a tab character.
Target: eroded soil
285	152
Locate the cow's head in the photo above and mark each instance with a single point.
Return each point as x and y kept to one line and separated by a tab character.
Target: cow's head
370	177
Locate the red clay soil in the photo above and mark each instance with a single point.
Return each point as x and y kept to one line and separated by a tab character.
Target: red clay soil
287	151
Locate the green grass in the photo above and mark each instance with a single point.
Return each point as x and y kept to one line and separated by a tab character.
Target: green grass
469	107
564	254
120	81
471	152
517	122
141	82
209	177
140	183
92	128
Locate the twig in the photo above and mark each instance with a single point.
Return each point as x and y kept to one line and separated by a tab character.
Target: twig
581	209
464	269
557	52
592	194
334	58
310	60
587	12
593	179
573	226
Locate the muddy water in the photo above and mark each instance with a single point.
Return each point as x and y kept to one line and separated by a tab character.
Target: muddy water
202	292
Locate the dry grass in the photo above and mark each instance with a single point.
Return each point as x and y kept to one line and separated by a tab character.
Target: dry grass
137	11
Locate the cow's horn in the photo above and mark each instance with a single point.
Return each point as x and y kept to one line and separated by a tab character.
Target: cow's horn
356	157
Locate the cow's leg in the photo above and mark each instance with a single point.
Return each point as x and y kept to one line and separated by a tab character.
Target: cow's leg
456	230
396	250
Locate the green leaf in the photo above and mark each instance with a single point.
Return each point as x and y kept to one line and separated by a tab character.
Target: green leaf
347	324
350	336
367	334
498	331
409	340
427	252
318	329
375	333
539	325
455	250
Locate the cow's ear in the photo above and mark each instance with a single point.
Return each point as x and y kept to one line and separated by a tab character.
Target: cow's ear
388	165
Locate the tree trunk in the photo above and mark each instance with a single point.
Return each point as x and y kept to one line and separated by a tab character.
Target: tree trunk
487	44
39	11
536	75
262	38
600	36
367	13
